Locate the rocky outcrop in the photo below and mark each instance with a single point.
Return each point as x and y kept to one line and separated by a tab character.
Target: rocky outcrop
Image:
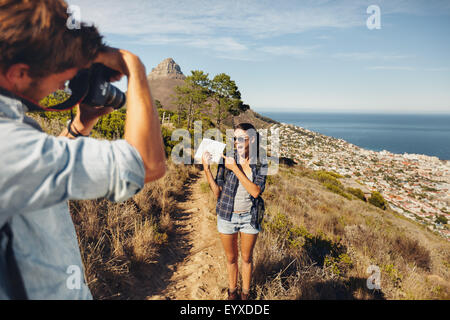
167	69
163	79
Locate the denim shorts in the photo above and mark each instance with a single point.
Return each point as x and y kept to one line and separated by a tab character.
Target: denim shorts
238	223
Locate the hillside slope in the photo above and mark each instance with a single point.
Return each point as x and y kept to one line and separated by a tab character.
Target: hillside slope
315	245
319	245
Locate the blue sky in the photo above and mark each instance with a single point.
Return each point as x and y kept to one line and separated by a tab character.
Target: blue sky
295	55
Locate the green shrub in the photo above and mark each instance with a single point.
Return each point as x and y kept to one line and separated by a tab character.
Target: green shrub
357	193
377	200
167	139
279	224
337	189
288	235
325	177
317	247
112	126
54	98
330	181
441	219
393	274
167	113
339	265
334	174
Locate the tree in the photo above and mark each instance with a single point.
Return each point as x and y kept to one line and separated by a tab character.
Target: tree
158	104
112	125
227	98
54	98
191	97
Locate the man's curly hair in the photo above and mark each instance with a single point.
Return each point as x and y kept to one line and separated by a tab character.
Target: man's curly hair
35	32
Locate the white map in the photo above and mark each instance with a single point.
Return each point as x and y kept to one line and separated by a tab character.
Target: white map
215	148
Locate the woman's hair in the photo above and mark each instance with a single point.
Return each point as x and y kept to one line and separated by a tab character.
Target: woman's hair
35	32
247	126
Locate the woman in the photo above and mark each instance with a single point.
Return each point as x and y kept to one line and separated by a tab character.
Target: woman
238	186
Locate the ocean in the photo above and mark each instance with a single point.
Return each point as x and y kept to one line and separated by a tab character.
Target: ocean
427	134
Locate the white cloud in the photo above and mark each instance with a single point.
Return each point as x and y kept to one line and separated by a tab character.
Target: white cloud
225	44
369	56
438	69
236	26
255	18
400	68
293	51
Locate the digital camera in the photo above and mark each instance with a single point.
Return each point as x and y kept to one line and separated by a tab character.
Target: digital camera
93	85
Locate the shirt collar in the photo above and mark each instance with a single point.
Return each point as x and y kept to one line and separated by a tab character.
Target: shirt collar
12	108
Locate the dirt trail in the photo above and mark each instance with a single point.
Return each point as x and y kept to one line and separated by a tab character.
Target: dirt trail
202	273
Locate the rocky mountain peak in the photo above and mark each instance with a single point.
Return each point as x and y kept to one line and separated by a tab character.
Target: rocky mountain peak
167	69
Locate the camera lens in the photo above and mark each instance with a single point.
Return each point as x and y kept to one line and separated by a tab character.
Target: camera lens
101	92
114	97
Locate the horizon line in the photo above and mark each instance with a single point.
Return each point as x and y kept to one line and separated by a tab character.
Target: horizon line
400	112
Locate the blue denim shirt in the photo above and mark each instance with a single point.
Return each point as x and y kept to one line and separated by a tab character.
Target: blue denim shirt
39	173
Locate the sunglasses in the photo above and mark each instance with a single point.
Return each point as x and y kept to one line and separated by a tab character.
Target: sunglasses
240	139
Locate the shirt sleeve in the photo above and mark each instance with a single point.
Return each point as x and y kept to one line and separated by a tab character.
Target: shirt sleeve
220	173
38	170
260	179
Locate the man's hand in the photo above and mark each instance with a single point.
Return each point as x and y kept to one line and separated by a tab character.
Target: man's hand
86	119
120	60
117	59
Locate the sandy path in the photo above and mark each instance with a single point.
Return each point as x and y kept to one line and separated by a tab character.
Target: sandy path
202	273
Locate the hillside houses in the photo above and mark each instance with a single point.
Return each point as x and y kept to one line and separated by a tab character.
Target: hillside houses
416	186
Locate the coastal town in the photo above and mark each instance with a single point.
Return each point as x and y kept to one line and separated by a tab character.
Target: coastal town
416	186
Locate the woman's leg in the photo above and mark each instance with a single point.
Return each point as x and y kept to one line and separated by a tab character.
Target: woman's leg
247	244
229	242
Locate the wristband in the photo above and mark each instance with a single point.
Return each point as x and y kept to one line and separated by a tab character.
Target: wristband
73	133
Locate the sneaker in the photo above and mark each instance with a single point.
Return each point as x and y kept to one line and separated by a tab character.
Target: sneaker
245	296
233	295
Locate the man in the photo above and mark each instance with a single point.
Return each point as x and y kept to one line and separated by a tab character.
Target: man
38	172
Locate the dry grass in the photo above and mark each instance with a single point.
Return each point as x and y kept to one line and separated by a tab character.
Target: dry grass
51	126
119	241
206	190
318	245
